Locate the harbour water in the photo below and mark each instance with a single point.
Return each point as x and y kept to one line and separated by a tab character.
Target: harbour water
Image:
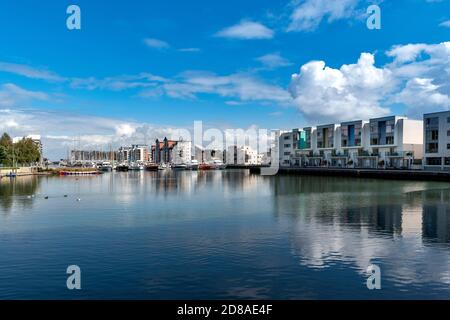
223	235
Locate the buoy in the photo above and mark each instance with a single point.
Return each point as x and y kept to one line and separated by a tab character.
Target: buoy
78	199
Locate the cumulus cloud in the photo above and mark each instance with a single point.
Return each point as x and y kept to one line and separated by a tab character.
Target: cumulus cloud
309	14
246	30
422	95
353	91
418	77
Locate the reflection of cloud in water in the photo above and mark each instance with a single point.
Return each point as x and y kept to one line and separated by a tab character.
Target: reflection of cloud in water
408	234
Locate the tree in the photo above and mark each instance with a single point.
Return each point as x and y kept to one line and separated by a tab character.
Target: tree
26	152
6	140
3	155
6	145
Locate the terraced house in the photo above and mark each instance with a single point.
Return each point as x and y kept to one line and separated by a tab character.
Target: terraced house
388	142
437	141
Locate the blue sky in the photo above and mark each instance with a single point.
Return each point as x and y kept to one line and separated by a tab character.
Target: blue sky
158	64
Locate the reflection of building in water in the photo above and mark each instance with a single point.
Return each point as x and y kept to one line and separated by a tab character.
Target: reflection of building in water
17	192
436	216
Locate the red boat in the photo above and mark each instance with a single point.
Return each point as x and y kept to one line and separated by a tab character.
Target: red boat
206	166
151	167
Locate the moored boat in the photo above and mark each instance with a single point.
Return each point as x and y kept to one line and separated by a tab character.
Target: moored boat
163	166
122	168
151	167
181	166
205	166
193	165
105	166
219	165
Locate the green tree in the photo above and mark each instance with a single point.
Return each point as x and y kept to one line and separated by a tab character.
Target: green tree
6	147
26	152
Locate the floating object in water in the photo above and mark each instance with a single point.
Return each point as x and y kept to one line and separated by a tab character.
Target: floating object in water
28	197
78	199
65	196
46	198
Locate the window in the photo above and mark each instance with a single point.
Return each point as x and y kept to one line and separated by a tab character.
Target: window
287	145
434	134
448	119
432	147
447	161
287	137
448	146
389	140
434	161
287	153
448	133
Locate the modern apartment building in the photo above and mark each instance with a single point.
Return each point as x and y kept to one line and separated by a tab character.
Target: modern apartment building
182	152
394	142
288	145
243	155
138	154
388	142
437	141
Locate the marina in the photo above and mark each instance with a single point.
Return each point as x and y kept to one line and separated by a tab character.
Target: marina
158	232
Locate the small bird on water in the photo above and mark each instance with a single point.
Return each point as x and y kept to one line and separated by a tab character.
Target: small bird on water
46	198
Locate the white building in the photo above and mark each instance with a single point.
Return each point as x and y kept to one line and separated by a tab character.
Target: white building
395	141
138	154
243	155
388	142
437	141
182	152
287	147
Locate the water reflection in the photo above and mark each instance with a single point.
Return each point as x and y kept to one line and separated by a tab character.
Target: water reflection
270	237
20	192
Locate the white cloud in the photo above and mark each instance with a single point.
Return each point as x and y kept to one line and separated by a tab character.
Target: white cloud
422	95
156	43
29	72
418	77
12	95
273	61
445	24
246	30
119	83
189	50
352	92
239	85
309	14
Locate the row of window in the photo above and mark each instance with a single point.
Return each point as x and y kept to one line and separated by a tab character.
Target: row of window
438	161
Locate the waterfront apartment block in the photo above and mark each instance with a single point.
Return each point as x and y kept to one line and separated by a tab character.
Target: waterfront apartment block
388	142
182	152
437	141
243	155
171	151
138	153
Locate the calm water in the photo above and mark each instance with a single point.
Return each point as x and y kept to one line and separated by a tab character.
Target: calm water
223	235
